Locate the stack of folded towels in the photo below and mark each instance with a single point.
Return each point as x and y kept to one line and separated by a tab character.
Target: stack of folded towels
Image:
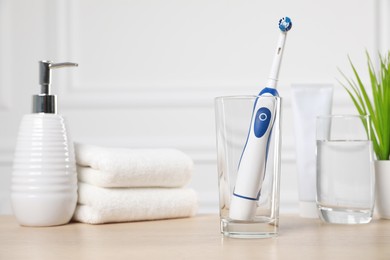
120	185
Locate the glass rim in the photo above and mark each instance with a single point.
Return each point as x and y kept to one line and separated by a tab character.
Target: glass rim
232	97
343	116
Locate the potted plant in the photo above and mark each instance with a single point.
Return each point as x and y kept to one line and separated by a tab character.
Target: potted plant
377	105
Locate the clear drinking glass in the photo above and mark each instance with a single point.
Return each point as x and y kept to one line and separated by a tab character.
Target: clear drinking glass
233	121
345	169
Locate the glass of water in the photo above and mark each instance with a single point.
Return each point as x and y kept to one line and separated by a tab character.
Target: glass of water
345	169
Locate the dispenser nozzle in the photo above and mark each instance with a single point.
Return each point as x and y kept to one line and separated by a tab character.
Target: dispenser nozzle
45	102
45	68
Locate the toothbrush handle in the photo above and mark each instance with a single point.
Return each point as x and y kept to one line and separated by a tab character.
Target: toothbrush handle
252	166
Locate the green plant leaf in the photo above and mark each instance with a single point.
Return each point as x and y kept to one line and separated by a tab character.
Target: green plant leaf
378	107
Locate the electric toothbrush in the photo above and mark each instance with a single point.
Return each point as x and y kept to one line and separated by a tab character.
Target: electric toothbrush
252	165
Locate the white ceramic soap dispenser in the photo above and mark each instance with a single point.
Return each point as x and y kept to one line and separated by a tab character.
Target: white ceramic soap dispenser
44	179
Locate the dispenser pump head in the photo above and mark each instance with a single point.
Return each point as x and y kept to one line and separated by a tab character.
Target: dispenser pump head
45	102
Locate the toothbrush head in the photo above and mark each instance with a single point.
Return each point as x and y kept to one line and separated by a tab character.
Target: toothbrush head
285	24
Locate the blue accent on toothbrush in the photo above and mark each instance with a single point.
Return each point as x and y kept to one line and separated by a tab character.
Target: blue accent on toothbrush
243	197
273	91
262	120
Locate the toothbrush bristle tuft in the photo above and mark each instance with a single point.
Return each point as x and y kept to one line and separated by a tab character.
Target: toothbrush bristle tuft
285	24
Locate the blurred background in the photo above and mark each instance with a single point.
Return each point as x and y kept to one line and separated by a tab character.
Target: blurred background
149	70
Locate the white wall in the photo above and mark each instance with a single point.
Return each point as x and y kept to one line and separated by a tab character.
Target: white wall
149	70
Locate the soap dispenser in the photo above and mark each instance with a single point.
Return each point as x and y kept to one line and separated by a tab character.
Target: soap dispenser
44	178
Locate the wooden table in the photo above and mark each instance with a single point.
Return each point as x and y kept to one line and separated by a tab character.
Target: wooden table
193	238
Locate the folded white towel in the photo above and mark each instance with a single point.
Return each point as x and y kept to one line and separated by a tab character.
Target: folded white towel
105	205
120	167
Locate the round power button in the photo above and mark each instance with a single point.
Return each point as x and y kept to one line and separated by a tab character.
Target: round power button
263	116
